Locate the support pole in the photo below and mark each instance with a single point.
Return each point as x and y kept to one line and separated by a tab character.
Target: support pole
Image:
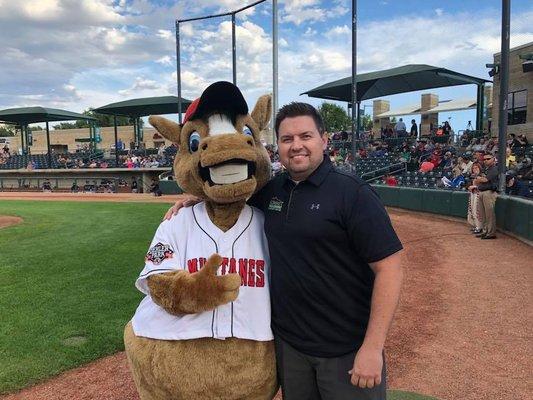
116	140
504	88
178	69
48	145
479	109
355	104
274	66
22	133
358	119
233	49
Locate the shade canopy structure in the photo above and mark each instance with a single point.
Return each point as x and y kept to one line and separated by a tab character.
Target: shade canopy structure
408	78
142	107
30	115
137	108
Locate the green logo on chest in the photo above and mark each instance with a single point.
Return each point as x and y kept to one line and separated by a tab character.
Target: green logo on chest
275	204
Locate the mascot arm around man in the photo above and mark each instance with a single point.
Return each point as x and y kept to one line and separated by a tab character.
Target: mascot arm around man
203	329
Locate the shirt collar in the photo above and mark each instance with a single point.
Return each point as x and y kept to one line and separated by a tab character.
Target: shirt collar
319	174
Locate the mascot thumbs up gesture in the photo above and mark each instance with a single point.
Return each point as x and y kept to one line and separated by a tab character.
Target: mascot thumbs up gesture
203	329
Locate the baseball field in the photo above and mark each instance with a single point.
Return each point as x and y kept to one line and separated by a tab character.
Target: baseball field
66	291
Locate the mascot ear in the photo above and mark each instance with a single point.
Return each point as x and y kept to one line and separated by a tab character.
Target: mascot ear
167	128
262	111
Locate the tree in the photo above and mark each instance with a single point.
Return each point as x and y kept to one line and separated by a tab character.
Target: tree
101	120
335	117
366	122
6	131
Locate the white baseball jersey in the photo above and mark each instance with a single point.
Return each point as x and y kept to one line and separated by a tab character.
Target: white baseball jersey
185	242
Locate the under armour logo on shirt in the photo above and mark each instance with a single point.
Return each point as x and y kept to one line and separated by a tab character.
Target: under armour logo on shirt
315	206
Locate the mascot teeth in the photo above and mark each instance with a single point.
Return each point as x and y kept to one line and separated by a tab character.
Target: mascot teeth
228	173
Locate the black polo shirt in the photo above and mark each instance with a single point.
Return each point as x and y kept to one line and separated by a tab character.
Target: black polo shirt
322	233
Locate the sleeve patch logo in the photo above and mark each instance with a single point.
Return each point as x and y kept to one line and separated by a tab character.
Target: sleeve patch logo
159	253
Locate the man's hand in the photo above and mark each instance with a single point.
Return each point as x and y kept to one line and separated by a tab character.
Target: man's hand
184	200
367	367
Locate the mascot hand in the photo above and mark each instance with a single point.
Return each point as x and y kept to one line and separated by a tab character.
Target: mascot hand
181	292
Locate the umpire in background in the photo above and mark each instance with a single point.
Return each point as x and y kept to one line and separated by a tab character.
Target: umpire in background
335	269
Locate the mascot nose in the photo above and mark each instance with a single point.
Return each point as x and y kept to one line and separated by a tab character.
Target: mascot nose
226	142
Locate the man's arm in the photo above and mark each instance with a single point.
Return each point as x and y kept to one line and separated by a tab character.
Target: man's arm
368	361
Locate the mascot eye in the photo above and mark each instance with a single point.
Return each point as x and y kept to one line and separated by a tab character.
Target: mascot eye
247	131
194	141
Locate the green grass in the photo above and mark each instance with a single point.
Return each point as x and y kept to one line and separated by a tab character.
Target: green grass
401	395
66	283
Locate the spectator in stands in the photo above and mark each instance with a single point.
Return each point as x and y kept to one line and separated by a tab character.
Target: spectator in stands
436	157
512	142
515	187
465	163
446	128
388	132
400	128
390	180
510	160
414	129
129	163
447	163
457	181
473	216
93	164
5	150
31	165
524	169
464	139
426	166
522	141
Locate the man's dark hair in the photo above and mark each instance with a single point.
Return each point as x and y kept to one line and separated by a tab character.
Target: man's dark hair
297	109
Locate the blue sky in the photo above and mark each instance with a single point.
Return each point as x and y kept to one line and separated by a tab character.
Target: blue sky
87	53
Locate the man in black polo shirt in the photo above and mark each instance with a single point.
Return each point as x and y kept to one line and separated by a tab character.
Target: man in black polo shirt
335	268
336	273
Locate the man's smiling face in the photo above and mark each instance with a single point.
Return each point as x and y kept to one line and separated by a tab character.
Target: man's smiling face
301	146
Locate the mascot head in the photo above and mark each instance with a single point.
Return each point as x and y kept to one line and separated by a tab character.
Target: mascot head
220	156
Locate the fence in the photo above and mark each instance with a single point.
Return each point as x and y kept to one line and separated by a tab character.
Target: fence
513	214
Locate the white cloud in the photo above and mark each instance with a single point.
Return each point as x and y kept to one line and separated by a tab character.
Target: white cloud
439	11
165	60
141	85
339	31
309	32
165	34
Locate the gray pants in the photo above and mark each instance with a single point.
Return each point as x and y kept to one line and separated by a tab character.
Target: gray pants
304	377
486	207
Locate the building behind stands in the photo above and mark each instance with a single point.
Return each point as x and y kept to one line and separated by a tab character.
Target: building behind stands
520	99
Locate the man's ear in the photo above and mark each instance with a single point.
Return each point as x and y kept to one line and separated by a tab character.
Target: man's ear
262	111
167	128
